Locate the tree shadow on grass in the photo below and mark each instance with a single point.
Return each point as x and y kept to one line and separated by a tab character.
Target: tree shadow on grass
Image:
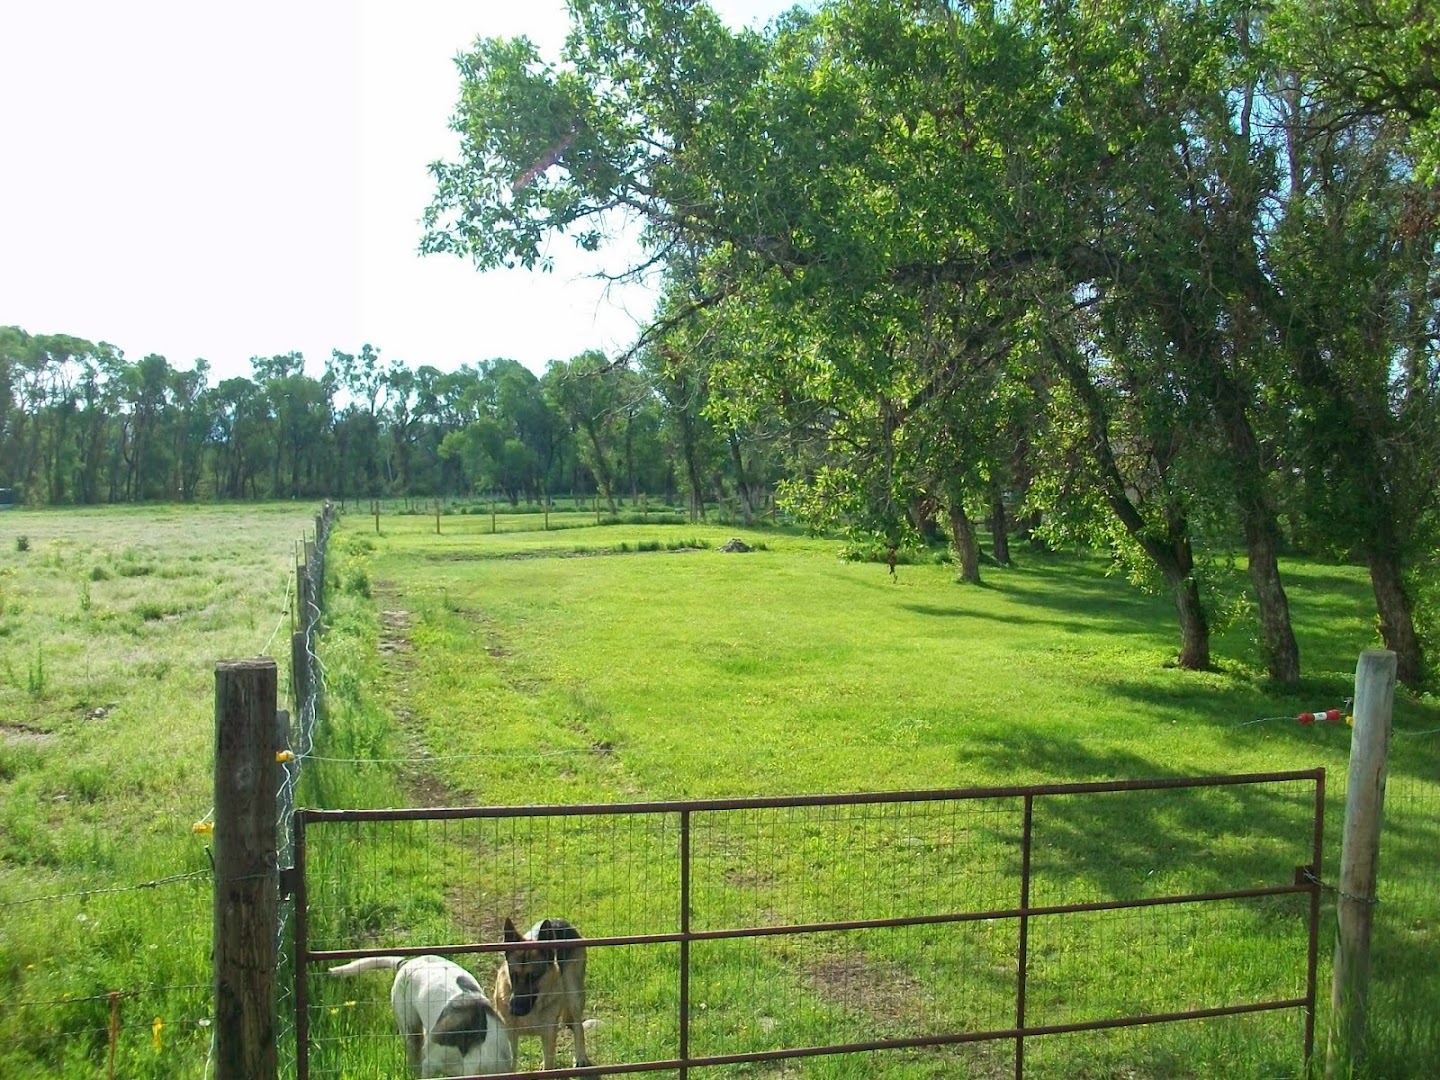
1140	844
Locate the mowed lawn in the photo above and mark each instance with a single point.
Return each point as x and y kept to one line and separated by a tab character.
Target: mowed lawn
786	670
634	662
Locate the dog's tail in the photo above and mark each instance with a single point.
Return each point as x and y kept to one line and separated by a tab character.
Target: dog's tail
369	963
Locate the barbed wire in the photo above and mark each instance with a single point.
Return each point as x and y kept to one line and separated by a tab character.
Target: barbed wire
144	991
172	879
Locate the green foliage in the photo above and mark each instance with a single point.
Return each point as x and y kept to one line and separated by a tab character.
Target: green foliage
22	543
355	578
35	680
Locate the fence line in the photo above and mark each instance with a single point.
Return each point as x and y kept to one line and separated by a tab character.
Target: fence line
306	685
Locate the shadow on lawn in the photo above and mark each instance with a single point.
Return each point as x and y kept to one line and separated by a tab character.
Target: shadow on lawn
1145	843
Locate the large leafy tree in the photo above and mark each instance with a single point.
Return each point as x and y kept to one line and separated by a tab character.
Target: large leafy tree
1113	158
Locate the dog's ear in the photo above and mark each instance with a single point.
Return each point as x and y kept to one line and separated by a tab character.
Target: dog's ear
511	934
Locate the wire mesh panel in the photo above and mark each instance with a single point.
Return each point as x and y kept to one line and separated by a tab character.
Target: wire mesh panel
1405	956
867	935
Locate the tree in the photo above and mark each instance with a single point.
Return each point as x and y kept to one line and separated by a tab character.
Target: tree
1368	59
590	394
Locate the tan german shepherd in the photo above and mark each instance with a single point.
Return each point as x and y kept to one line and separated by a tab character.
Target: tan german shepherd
539	989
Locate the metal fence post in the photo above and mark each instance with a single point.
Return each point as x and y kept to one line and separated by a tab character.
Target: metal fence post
1360	859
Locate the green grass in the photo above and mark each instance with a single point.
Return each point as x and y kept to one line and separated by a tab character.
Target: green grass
634	661
111	622
611	663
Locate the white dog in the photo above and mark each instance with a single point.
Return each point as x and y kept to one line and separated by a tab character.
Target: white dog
450	1027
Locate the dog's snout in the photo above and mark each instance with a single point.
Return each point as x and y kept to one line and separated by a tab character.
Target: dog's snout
519	1006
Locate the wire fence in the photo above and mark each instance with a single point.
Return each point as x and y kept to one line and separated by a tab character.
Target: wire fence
1404	1005
938	927
124	993
306	683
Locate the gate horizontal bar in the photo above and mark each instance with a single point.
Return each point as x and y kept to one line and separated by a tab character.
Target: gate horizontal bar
825	927
919	1041
869	798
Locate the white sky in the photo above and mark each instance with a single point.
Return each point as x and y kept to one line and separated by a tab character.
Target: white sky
226	181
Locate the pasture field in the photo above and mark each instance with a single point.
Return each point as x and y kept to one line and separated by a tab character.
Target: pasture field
635	662
111	621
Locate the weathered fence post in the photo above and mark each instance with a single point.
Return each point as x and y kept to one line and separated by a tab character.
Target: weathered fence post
310	611
302	598
299	670
1360	859
245	870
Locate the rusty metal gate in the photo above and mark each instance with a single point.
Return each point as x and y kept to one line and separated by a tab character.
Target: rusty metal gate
1000	891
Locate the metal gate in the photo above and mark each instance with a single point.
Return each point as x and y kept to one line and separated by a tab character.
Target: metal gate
1005	873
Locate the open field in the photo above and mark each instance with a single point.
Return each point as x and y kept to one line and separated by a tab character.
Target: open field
111	622
634	662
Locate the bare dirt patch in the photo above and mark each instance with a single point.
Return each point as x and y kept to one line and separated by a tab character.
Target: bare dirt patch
895	1000
886	992
20	735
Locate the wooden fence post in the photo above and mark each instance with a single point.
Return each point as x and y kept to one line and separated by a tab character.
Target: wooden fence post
1360	859
299	670
245	870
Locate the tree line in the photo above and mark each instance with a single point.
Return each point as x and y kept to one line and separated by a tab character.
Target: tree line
81	424
1158	275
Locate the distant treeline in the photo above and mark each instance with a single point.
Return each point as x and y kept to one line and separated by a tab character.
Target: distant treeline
82	424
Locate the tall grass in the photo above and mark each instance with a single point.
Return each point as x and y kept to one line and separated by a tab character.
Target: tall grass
106	726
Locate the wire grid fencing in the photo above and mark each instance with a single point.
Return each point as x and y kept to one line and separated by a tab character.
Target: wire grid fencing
69	1018
305	687
870	936
1403	1015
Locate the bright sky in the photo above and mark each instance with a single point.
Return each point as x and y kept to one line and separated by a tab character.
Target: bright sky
225	181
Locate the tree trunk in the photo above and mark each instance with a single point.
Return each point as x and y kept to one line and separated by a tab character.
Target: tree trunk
1194	626
692	471
999	527
962	538
742	485
1262	535
1397	624
1277	636
1170	551
922	517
